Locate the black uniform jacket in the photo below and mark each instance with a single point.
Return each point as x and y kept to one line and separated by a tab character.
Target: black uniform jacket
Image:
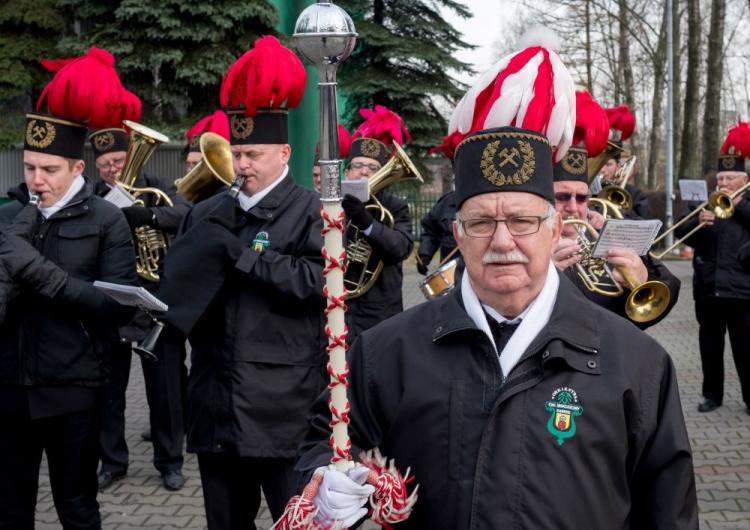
437	229
426	388
255	320
392	246
64	341
657	271
640	208
716	259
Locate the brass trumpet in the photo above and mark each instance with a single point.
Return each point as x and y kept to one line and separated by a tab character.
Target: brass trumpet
646	301
151	244
720	203
362	270
213	171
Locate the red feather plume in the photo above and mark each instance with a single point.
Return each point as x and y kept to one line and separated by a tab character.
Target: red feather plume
269	75
737	141
345	142
130	106
382	124
218	123
621	119
87	90
592	124
449	145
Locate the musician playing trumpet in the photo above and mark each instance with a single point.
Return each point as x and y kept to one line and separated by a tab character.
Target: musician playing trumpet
571	201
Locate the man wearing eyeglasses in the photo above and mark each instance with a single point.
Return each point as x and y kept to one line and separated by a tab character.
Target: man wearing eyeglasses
571	202
513	398
165	378
391	244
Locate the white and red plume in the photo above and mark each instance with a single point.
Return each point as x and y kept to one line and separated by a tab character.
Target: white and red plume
268	76
530	89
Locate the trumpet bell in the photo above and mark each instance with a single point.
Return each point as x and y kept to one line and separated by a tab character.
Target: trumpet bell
721	204
146	348
213	171
647	301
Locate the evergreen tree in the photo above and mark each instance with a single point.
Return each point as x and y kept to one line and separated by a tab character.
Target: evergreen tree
172	53
403	59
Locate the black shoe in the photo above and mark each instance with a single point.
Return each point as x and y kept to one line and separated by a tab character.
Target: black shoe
708	405
107	478
173	480
146	435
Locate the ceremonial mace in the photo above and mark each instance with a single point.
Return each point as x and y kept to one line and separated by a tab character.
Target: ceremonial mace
324	34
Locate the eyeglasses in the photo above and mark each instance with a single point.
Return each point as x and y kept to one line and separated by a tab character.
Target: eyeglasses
564	196
360	165
522	225
117	164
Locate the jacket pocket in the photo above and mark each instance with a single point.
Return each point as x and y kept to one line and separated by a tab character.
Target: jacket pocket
78	247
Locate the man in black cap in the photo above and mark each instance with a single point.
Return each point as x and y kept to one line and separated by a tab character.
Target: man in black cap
571	202
164	378
524	396
391	243
721	285
607	176
254	270
56	337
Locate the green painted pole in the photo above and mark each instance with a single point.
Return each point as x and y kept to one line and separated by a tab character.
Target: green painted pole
303	121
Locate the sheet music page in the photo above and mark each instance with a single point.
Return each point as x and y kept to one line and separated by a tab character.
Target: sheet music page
693	190
625	233
119	197
132	296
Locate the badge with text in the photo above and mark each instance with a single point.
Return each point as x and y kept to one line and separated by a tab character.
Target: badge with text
261	242
563	409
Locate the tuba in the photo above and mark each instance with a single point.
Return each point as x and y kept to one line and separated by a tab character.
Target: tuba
211	173
362	268
151	244
646	301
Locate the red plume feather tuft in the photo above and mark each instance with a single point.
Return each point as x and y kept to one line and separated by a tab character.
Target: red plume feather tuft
218	123
345	142
592	124
449	145
269	75
130	106
621	119
384	125
86	90
737	141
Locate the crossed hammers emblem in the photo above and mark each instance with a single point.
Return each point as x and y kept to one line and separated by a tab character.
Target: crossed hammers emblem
508	156
39	132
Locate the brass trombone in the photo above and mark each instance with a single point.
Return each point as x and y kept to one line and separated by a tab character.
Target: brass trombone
608	209
720	203
646	301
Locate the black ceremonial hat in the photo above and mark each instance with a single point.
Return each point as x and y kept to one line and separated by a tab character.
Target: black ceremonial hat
573	166
504	159
268	126
54	136
109	140
370	148
731	163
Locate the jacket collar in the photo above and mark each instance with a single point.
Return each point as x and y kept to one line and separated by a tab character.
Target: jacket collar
573	320
21	194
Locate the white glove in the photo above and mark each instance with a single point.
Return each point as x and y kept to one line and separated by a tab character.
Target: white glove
343	496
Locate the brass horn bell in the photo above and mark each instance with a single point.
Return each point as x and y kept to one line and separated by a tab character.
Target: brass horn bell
213	171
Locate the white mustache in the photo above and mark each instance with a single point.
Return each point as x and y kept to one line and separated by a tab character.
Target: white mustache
513	256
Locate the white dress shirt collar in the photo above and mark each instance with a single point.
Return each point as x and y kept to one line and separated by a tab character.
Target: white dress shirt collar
249	201
533	319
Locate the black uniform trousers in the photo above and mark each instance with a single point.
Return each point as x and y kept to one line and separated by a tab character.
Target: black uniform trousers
715	317
69	440
165	391
232	484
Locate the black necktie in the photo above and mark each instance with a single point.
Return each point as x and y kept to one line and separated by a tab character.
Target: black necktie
501	332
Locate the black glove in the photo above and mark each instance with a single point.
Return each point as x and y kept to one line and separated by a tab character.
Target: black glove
139	216
356	212
25	222
422	265
223	238
29	268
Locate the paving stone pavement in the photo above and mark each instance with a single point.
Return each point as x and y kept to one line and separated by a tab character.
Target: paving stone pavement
720	442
